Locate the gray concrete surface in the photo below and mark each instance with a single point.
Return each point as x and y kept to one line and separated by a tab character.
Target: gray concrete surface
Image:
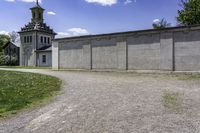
172	49
101	102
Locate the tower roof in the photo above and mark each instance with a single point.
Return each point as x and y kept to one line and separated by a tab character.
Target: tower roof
32	26
37	23
37	6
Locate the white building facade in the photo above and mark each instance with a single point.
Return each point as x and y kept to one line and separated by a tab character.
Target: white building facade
36	41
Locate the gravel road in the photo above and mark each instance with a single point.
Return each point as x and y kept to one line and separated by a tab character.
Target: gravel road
100	102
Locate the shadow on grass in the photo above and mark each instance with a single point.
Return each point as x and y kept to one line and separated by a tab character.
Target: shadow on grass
20	91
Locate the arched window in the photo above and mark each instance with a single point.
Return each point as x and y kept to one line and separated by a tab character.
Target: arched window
41	39
45	40
25	39
34	15
39	15
30	38
48	40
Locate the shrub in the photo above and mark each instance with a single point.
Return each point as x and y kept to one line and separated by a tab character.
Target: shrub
7	60
2	59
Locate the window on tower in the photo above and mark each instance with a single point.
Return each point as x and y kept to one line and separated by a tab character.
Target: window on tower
31	39
48	40
39	15
25	39
34	15
45	40
41	39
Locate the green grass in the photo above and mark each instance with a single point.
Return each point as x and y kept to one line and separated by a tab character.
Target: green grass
28	67
173	100
19	91
189	77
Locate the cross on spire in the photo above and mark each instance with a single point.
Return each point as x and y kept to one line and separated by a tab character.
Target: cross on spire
37	2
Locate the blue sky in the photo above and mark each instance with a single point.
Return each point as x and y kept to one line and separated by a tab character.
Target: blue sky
79	17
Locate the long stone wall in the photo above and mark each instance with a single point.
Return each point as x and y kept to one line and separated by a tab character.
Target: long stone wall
171	49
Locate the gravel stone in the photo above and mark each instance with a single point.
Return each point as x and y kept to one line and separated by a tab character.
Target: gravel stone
110	102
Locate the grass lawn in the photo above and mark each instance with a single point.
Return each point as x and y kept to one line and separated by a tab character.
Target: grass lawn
27	67
23	90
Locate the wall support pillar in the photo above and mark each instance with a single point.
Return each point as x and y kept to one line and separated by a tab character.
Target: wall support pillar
87	54
122	55
55	55
166	52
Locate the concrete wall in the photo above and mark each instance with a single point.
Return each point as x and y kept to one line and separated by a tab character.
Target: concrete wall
172	49
28	55
48	62
27	50
144	52
104	54
187	50
74	55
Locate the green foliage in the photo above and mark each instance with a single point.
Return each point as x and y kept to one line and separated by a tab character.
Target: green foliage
3	40
172	100
2	59
190	12
161	25
21	90
7	60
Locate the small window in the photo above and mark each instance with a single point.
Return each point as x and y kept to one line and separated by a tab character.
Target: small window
34	15
25	39
48	40
41	39
45	40
40	15
30	38
43	58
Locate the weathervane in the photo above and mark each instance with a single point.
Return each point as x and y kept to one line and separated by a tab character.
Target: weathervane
37	2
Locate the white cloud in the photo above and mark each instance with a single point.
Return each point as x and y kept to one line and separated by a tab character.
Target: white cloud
64	33
103	2
78	31
156	21
4	32
72	32
51	13
128	1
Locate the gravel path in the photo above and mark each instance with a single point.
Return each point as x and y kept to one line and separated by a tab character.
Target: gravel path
100	102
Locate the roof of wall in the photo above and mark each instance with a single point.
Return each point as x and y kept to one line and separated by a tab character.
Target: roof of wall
170	29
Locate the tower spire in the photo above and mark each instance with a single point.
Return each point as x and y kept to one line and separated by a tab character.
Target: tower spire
37	12
37	2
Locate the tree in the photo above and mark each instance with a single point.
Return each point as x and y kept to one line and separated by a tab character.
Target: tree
13	36
161	24
190	12
3	40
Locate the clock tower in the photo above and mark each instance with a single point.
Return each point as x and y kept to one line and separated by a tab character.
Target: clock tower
36	40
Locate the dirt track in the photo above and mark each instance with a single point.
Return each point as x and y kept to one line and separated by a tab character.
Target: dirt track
112	103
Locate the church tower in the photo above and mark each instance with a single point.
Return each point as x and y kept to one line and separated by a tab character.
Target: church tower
37	13
36	40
